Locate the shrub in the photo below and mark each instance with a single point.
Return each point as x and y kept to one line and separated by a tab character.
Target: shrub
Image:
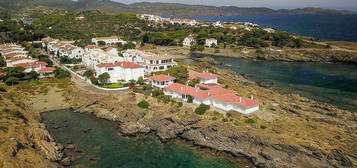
15	114
236	123
190	99
214	118
179	104
263	127
225	119
200	110
250	121
143	104
157	93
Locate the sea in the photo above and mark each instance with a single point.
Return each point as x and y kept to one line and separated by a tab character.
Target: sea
98	145
323	27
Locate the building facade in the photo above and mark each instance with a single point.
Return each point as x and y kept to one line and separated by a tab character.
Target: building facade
120	71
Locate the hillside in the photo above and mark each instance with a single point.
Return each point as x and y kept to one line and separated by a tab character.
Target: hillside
159	8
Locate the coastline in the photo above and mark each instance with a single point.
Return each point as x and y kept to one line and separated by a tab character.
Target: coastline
249	141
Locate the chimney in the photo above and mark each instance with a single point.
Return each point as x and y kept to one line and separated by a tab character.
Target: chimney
209	93
251	97
196	89
240	99
181	88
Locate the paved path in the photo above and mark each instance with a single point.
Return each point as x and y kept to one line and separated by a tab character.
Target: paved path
87	86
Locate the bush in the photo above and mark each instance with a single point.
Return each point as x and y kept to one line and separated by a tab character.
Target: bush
179	104
190	99
225	119
15	114
200	110
250	121
157	93
263	127
143	104
60	73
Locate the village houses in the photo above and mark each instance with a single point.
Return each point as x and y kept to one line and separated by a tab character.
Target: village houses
16	56
120	71
188	41
161	81
109	41
213	94
211	42
94	55
150	61
186	21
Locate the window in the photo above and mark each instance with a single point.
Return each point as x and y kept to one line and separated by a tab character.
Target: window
110	69
162	67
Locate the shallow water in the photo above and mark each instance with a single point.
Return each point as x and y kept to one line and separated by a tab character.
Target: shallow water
331	83
103	148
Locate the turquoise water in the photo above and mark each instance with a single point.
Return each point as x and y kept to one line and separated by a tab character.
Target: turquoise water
109	150
324	27
331	83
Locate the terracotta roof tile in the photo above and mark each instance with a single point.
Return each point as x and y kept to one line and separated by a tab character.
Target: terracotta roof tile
203	75
162	78
47	69
120	64
31	64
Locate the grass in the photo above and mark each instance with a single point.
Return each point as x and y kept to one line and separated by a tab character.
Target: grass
113	86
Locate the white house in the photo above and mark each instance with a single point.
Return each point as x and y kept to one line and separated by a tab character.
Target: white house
93	56
187	21
46	72
32	66
161	81
112	50
221	98
188	41
211	42
120	71
109	41
152	62
154	18
204	77
71	51
217	24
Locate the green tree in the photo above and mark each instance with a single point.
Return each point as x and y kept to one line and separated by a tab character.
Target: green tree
103	78
129	45
34	75
12	80
2	61
101	43
143	104
200	110
88	73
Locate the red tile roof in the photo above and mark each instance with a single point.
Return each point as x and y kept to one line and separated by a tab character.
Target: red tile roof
210	86
234	99
162	78
203	75
221	94
188	90
47	69
31	64
120	64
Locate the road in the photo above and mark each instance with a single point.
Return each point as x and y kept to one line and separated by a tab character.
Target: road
85	85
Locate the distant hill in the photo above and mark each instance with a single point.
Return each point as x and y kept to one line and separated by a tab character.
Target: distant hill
159	8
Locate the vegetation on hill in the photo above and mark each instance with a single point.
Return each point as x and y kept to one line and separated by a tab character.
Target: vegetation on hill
159	8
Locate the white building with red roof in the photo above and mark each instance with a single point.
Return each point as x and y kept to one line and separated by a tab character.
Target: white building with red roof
120	71
151	61
204	77
210	92
187	21
46	72
32	66
161	81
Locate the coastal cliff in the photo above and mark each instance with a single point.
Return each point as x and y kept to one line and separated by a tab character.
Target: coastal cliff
289	131
24	141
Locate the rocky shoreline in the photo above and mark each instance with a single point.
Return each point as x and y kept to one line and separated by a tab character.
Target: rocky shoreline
264	151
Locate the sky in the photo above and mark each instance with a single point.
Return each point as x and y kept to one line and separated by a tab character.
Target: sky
274	4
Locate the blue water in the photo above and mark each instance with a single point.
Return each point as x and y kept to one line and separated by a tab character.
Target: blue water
332	83
104	148
324	27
